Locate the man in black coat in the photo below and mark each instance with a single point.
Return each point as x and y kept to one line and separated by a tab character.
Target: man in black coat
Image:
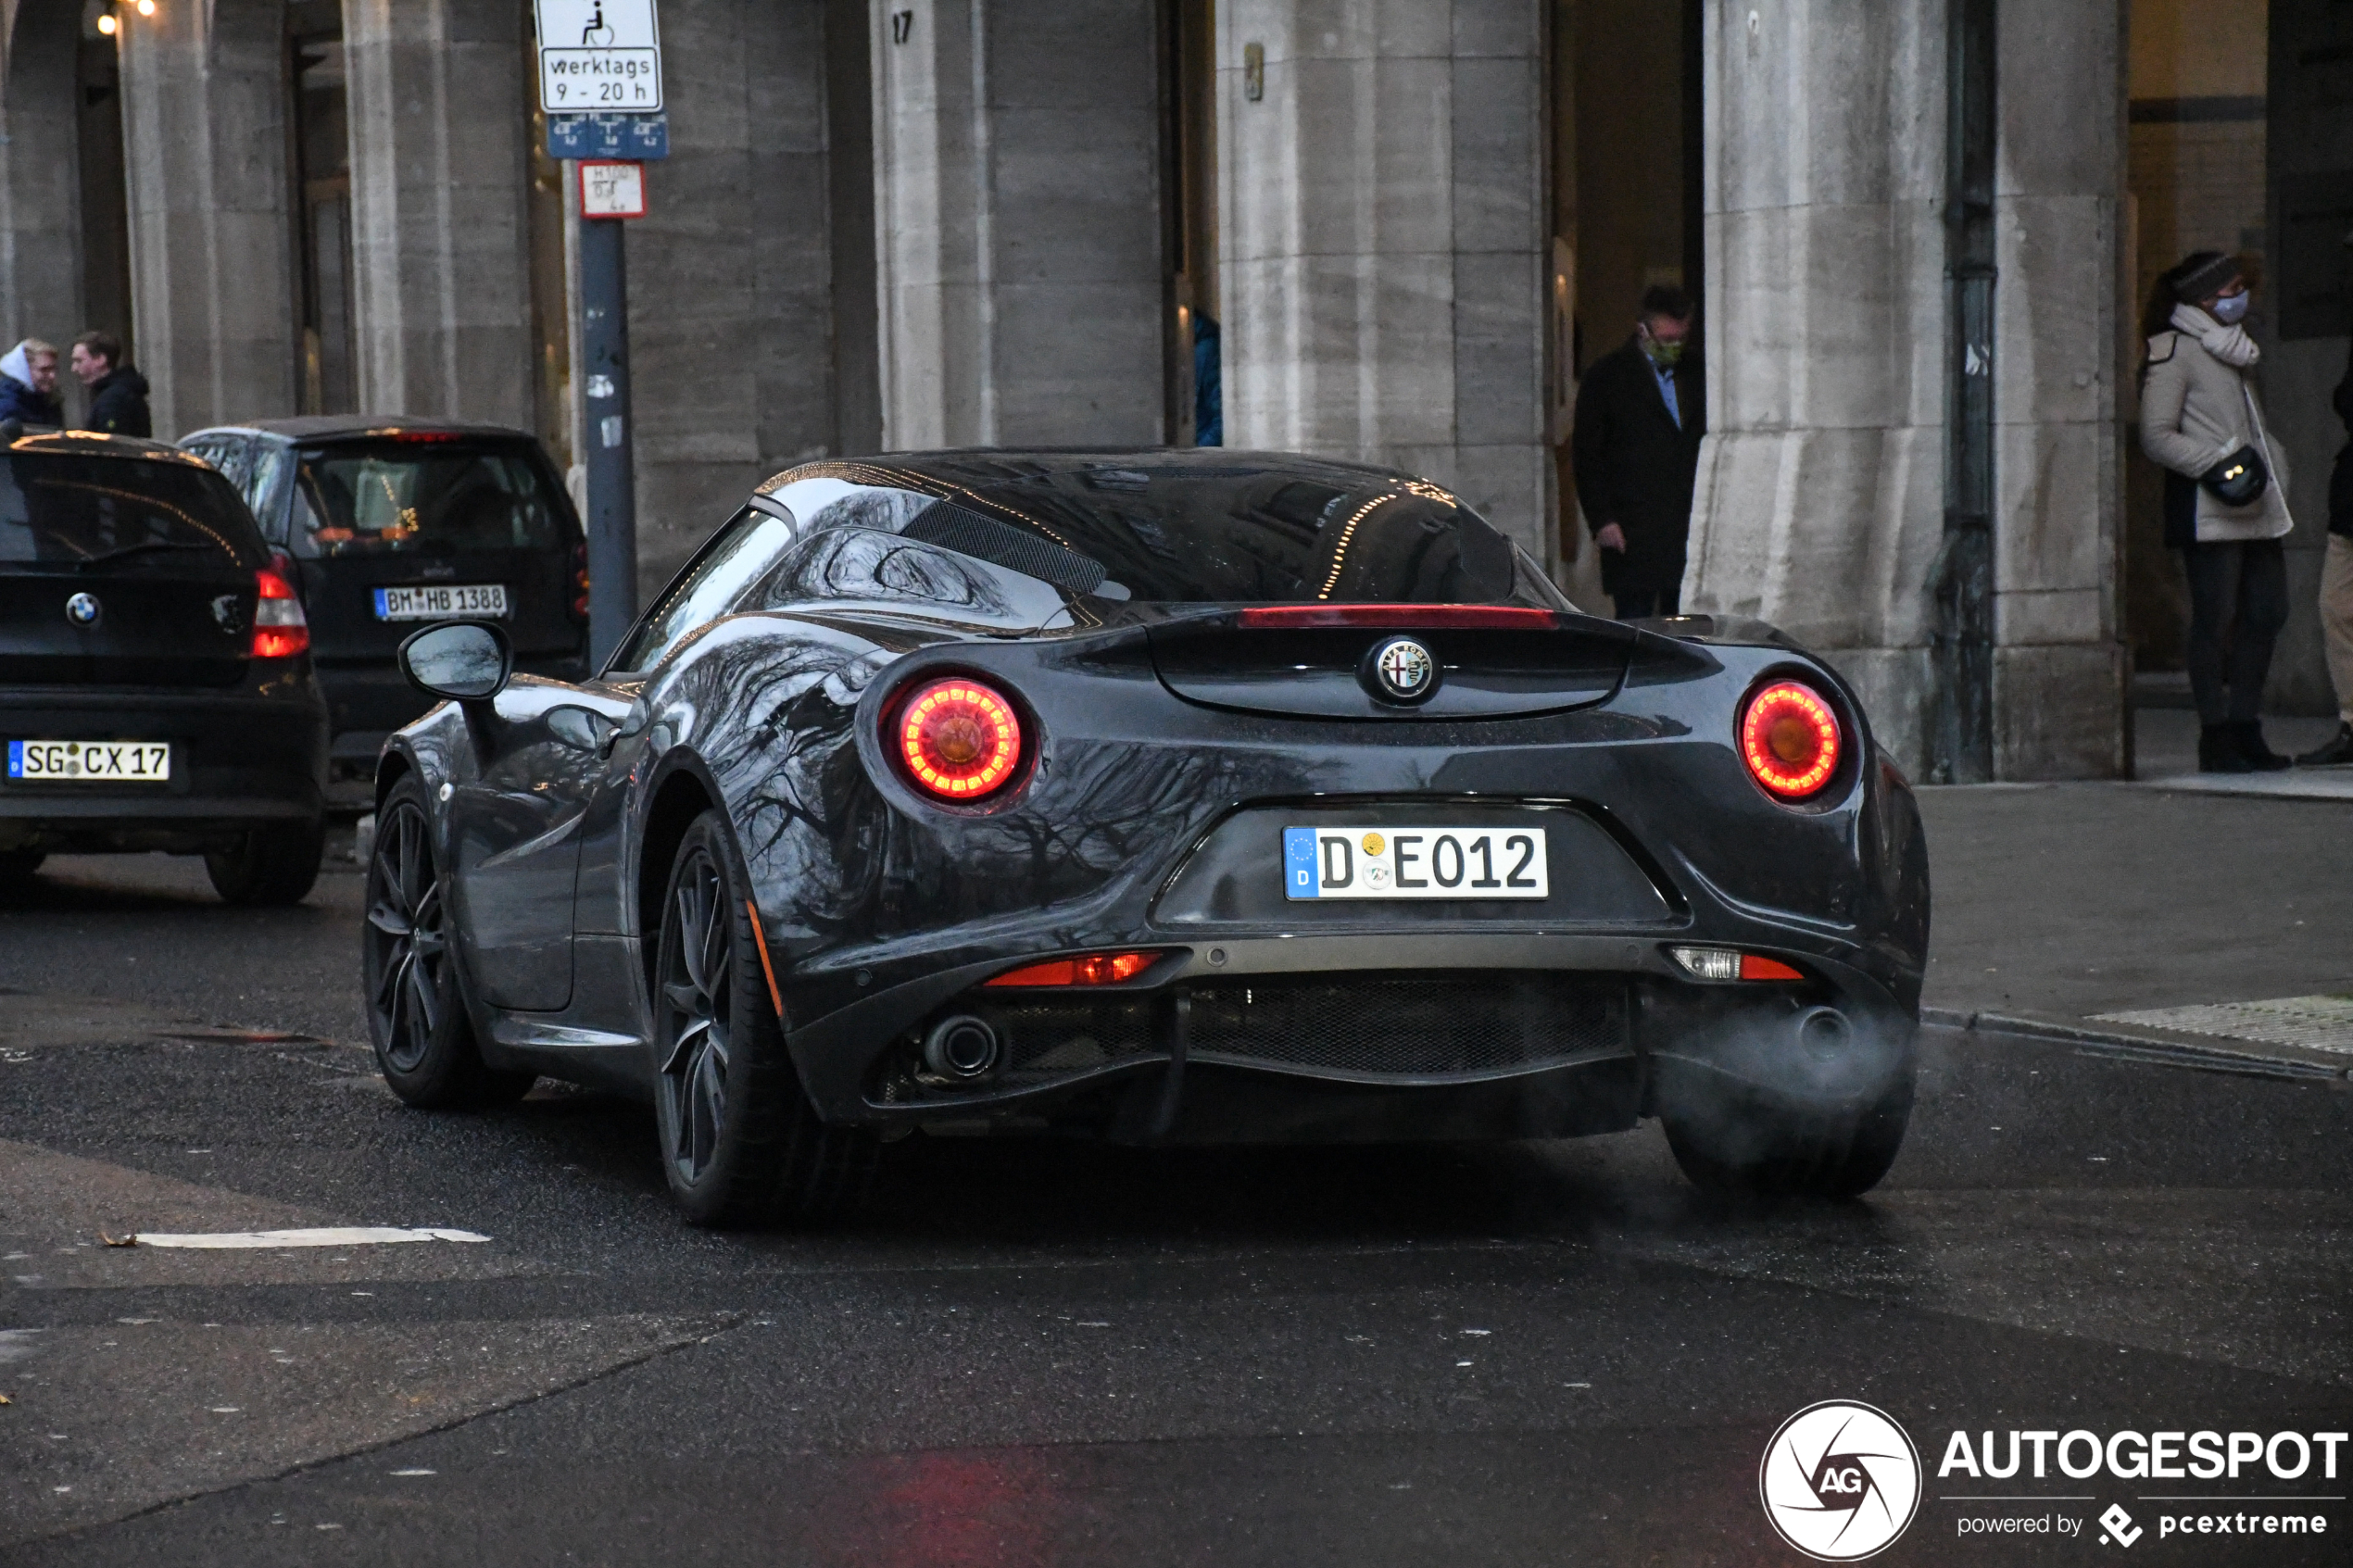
1640	413
118	391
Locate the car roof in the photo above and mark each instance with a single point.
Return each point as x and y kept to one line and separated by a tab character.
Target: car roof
355	427
977	466
98	443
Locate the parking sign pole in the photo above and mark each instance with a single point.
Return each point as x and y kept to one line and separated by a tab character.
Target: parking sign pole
600	91
612	476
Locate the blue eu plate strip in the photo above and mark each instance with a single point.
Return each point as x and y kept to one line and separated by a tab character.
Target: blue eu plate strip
384	604
1299	862
15	759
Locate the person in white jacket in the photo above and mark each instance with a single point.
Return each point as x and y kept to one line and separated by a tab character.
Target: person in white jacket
2200	421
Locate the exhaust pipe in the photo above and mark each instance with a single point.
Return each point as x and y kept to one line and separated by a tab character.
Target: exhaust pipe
1824	1032
959	1052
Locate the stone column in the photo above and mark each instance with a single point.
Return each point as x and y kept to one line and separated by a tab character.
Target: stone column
730	272
41	259
1821	487
1018	223
211	246
2063	343
1383	236
440	261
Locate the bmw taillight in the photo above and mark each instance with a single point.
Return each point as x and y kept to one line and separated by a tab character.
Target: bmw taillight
580	583
1790	740
280	629
959	738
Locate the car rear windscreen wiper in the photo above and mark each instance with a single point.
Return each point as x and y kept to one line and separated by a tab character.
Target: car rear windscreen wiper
88	562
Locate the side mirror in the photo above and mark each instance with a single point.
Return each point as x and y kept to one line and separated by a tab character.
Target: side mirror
465	661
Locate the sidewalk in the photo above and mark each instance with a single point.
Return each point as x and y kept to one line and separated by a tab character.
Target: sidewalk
2059	906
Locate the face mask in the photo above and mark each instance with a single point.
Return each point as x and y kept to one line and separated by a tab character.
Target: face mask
2232	309
1664	354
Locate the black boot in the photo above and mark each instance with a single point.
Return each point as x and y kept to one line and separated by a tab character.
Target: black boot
2260	759
2336	754
2218	751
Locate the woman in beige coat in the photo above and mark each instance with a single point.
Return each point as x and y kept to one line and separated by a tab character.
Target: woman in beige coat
2199	417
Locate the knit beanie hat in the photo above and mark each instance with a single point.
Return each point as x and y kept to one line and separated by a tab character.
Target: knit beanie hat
2205	274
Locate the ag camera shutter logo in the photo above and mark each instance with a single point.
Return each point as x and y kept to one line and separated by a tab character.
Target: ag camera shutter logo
1841	1481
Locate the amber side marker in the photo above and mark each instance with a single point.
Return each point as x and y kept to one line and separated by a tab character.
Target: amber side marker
760	937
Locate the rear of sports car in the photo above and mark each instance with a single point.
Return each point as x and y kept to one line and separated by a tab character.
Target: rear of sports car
1360	872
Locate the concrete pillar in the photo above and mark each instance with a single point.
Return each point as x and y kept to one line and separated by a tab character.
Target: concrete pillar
211	250
440	241
1821	487
1383	238
1018	225
41	262
730	272
2063	349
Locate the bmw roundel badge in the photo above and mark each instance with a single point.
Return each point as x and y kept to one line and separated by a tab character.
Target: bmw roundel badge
83	609
1402	669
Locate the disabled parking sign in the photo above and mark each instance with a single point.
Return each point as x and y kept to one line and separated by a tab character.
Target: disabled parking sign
599	57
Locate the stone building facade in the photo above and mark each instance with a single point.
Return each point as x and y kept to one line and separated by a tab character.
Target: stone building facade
919	222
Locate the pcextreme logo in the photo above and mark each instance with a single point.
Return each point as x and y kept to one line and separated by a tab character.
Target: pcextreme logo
1840	1480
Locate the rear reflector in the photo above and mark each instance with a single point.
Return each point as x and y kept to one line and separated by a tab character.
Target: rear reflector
1095	968
1728	963
280	629
1432	618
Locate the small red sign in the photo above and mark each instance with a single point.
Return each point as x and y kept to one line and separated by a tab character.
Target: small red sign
611	188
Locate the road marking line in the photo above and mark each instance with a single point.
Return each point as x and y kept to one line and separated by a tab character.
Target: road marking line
333	1235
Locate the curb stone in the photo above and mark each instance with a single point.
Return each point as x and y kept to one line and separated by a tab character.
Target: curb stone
2136	1044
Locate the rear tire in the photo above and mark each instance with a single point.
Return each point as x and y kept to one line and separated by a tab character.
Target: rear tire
1784	1153
741	1143
417	1018
269	866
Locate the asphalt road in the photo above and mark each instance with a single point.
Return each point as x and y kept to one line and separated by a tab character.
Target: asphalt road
1047	1353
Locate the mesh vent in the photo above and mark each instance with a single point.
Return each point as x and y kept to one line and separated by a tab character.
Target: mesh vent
1046	1038
1428	1025
1419	1026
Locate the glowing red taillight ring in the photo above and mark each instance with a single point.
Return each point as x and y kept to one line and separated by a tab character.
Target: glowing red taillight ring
957	739
1790	740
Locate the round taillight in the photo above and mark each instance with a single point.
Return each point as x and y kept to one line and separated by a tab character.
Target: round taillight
958	739
1790	740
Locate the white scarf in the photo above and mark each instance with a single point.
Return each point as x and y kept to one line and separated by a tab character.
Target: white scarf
2230	344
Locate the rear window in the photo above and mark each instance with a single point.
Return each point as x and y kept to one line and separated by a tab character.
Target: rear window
1186	534
72	510
431	498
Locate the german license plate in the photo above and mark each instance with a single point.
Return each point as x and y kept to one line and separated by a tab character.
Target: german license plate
90	762
441	601
1409	862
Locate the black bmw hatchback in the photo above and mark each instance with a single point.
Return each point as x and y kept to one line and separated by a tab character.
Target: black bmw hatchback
393	522
155	689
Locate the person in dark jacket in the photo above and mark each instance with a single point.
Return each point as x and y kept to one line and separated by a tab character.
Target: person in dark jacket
2336	584
118	391
1640	413
29	384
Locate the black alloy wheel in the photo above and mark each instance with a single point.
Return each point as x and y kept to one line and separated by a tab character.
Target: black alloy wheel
417	1018
741	1143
